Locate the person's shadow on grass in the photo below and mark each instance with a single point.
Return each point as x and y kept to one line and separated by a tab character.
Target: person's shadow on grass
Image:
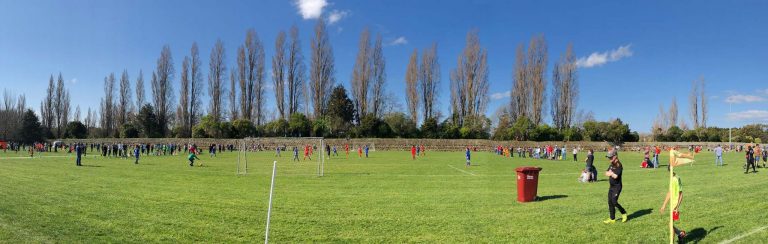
640	213
698	234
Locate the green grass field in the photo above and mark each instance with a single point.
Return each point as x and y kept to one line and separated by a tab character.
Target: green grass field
386	198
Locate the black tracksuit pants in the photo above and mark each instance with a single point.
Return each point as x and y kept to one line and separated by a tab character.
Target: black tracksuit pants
613	201
750	162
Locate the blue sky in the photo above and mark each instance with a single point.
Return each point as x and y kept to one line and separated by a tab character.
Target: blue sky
644	53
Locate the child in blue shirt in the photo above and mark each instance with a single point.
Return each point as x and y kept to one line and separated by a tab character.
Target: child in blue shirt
467	156
136	154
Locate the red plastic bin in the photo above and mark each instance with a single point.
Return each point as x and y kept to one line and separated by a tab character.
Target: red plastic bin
527	183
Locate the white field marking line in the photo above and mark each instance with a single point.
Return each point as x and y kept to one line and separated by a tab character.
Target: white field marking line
464	171
744	235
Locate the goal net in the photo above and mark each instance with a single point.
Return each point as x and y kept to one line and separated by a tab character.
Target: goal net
281	149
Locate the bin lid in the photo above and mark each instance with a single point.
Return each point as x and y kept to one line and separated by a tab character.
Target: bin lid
527	169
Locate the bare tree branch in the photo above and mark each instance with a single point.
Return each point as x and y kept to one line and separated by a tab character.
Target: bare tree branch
469	81
183	111
216	76
361	74
379	77
295	74
162	89
429	79
321	69
140	91
411	86
704	107
536	67
278	73
195	87
124	100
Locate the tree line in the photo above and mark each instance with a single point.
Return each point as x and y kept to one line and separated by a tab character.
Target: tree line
310	102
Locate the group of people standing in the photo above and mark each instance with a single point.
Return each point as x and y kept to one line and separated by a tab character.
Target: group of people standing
753	155
329	150
13	146
120	150
541	152
418	151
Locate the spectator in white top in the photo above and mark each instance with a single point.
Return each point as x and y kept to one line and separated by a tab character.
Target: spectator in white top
718	156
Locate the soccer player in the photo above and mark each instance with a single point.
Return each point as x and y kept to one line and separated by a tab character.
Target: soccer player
675	194
136	153
467	155
423	150
346	148
366	151
328	150
295	154
359	152
277	151
418	150
306	153
334	152
191	159
614	177
413	152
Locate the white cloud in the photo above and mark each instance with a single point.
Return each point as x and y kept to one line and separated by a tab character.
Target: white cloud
73	81
337	15
738	98
398	41
749	115
310	9
501	95
598	59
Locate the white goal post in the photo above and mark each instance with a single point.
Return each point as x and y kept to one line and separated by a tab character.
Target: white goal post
286	145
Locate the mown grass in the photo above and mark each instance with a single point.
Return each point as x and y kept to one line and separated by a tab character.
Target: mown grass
386	198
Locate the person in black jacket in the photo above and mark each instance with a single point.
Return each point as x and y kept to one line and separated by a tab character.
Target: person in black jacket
79	151
591	166
750	160
614	178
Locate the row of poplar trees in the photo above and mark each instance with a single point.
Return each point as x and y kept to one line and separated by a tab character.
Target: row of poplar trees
239	93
